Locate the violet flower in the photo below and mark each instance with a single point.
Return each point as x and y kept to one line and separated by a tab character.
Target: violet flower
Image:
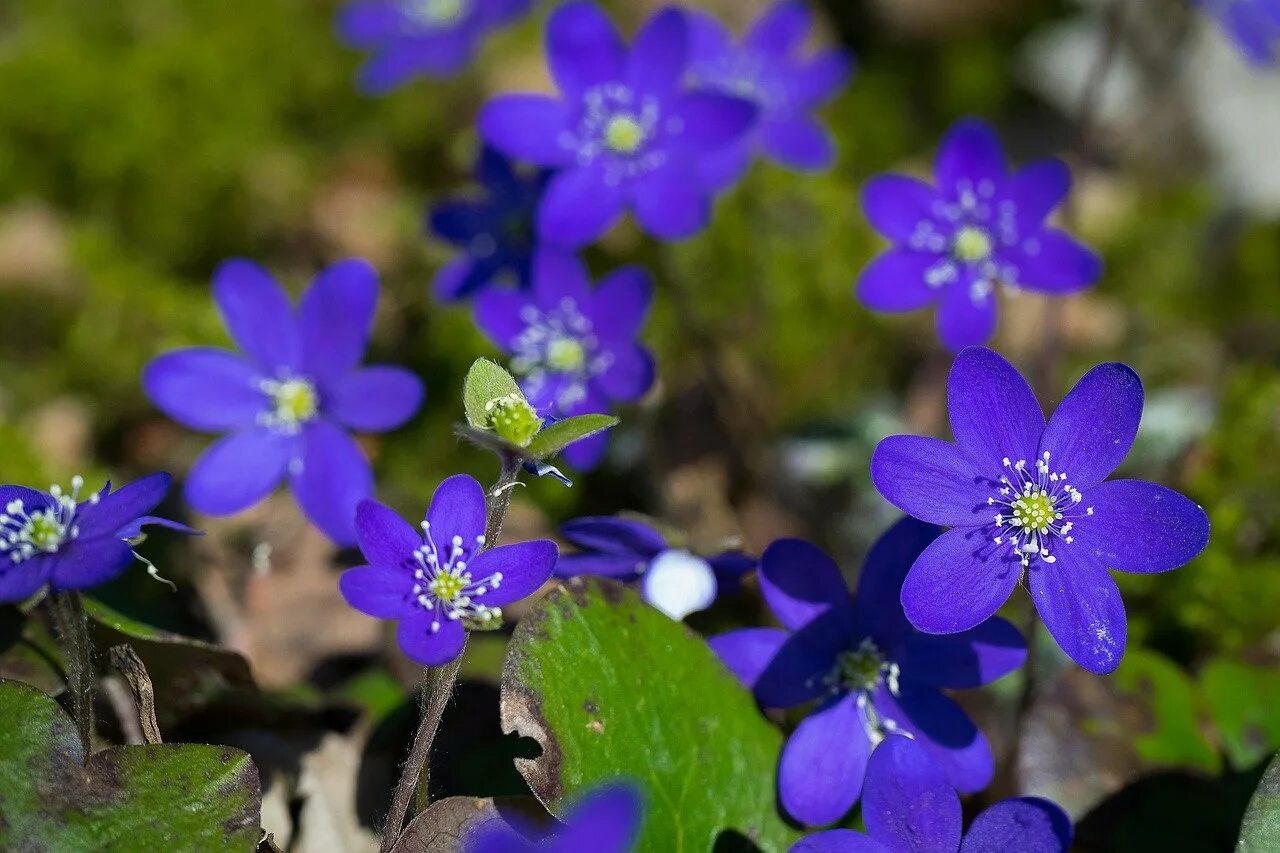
979	227
624	131
1026	498
671	579
289	401
872	673
56	538
768	67
607	820
413	38
1253	25
432	581
573	349
910	806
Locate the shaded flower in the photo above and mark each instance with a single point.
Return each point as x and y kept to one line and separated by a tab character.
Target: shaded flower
420	38
573	349
624	132
495	231
290	399
672	579
56	538
979	227
432	581
873	674
909	805
1253	25
768	68
606	820
1026	498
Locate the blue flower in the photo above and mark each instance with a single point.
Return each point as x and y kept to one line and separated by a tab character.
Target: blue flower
496	232
981	226
56	538
873	674
573	349
412	38
910	805
768	68
671	579
1028	498
624	133
1254	26
290	399
606	820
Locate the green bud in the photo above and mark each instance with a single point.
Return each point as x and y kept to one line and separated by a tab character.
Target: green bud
513	419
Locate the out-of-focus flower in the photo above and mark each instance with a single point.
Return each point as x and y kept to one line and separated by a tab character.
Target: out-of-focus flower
768	68
672	579
1028	498
433	580
607	820
289	401
625	131
573	349
420	38
910	805
495	231
981	226
55	538
1253	25
873	674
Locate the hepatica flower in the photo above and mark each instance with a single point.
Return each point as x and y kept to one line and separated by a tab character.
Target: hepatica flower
1253	25
623	133
979	227
573	349
607	820
290	399
910	806
495	231
672	579
57	538
768	68
435	580
412	38
873	674
1028	499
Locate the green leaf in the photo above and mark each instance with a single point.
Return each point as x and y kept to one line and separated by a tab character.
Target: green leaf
559	435
1174	737
1260	831
655	705
171	797
485	381
1242	701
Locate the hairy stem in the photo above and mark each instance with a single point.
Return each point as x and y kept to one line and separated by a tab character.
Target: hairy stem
71	627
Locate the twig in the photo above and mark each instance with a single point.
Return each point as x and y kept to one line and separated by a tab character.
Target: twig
126	660
71	628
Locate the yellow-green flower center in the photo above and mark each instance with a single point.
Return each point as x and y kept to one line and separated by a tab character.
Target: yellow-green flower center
862	668
295	401
447	586
566	355
436	11
514	419
971	244
45	532
624	134
1034	511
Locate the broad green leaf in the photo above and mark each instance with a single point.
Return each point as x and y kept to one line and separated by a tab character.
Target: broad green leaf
1174	736
1260	832
557	436
485	381
1242	701
171	797
609	686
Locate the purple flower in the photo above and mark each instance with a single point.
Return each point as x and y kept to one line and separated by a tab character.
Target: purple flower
573	349
55	538
910	805
607	820
672	579
873	674
431	581
1254	26
411	38
495	232
767	68
981	226
624	132
289	401
1026	498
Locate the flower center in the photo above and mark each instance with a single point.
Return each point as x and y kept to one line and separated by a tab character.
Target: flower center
294	402
433	13
862	668
624	134
26	532
566	355
1038	508
444	585
971	245
514	419
557	348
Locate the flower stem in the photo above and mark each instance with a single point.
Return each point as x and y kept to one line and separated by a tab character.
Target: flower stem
71	627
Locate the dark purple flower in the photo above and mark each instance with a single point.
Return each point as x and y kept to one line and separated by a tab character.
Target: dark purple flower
289	401
672	579
495	231
607	820
431	580
573	349
872	673
768	68
624	133
979	227
412	38
910	806
1026	498
1254	26
55	538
